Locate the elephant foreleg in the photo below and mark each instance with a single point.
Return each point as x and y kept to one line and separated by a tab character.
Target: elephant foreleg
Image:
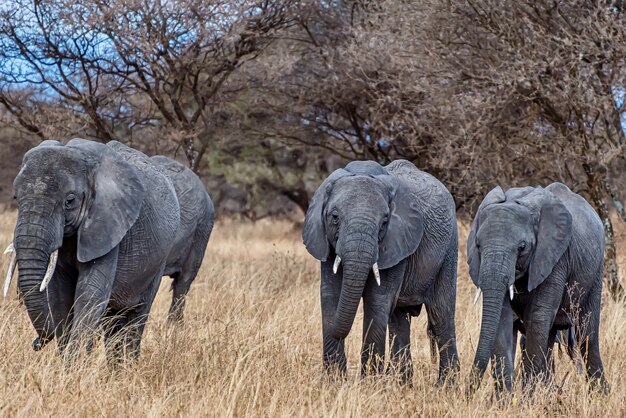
61	292
538	322
93	291
400	342
378	302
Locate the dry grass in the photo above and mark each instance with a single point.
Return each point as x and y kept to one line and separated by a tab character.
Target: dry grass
251	345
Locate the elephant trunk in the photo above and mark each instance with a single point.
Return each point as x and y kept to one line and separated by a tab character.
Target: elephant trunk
497	270
359	252
36	238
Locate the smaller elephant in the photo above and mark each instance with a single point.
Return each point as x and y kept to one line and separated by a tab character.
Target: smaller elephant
536	253
387	235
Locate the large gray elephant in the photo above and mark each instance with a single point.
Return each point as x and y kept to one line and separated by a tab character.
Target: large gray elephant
96	226
388	235
536	253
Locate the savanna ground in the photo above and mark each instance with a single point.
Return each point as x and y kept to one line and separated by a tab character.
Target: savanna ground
251	346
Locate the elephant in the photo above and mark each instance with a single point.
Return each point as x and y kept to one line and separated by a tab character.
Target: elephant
97	225
387	234
536	254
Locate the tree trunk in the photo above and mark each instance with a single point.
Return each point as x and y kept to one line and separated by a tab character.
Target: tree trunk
597	189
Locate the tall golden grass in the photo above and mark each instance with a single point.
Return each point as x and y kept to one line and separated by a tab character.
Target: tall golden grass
251	346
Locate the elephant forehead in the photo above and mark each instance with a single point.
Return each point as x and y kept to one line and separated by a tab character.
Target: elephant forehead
505	215
359	189
48	170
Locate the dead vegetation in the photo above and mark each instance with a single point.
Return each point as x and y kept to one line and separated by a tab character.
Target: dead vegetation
251	346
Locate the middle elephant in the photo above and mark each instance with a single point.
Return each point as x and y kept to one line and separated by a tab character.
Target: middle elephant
389	235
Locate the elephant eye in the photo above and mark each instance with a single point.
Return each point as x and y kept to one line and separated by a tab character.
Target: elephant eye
69	200
334	216
522	246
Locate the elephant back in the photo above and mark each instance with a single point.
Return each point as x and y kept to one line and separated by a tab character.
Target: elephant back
430	193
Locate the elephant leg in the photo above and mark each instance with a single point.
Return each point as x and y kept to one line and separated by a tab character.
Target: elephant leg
504	350
93	291
135	321
334	356
175	313
180	288
551	368
400	342
589	342
61	292
441	319
182	281
378	302
538	322
113	322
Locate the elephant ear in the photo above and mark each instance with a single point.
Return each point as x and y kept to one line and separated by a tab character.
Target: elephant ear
496	195
116	201
314	231
405	227
553	238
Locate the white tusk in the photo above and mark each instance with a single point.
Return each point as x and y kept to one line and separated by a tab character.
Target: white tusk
376	273
10	249
477	295
336	265
7	281
511	290
50	270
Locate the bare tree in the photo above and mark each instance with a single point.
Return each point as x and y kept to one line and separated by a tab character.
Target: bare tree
121	66
542	78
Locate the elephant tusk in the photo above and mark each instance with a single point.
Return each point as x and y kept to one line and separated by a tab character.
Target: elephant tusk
376	273
10	249
511	291
336	265
10	271
477	295
50	270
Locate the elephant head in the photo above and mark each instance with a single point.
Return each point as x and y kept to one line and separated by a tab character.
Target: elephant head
517	235
365	218
84	189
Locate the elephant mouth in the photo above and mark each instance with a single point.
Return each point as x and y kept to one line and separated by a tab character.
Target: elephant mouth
375	269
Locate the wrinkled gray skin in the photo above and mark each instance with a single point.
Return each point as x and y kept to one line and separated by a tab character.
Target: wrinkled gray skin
549	243
112	214
564	338
197	216
404	220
